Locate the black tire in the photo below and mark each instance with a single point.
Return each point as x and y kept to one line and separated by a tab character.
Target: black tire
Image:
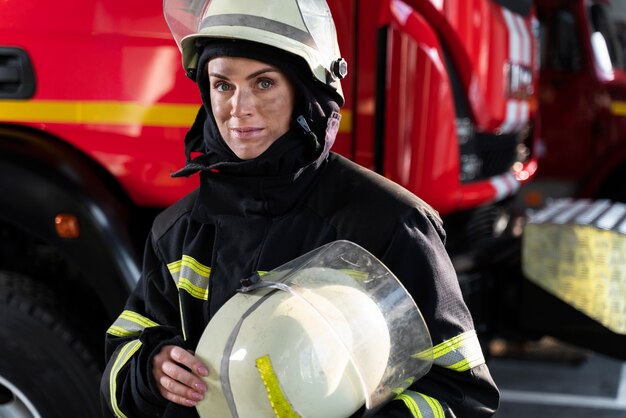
44	370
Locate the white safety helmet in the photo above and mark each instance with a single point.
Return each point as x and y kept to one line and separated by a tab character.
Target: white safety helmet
321	336
301	27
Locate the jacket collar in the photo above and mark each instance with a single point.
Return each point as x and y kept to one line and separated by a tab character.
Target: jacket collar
225	194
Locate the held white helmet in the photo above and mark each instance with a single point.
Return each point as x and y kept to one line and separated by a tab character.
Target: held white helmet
301	27
321	336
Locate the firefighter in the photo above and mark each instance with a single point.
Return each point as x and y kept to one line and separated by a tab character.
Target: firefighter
270	190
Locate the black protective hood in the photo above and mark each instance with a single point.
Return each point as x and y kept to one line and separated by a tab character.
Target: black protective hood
315	119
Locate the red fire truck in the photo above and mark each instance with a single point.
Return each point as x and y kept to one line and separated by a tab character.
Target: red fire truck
93	109
582	101
577	195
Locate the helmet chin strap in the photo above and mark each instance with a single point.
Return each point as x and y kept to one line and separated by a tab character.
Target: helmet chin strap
254	282
228	349
308	132
305	126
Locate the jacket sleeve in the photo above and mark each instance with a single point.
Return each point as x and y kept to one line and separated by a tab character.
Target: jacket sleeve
150	320
459	383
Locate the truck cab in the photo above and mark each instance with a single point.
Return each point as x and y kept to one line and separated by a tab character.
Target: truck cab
576	197
582	101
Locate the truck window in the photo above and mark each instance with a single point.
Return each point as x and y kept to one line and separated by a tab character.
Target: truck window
522	7
560	43
607	47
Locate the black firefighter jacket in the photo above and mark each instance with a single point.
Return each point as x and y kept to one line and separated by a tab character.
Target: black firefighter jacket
229	228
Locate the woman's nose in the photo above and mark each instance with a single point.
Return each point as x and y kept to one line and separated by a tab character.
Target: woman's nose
242	103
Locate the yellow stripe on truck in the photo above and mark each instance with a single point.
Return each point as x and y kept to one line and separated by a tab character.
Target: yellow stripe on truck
618	108
110	113
99	113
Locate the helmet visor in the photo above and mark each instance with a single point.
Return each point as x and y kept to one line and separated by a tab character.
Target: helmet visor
304	28
322	277
183	17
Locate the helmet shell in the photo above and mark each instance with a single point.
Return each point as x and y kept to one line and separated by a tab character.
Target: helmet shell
287	355
304	28
320	336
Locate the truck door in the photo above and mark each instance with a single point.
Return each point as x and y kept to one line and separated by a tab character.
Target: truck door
582	93
566	93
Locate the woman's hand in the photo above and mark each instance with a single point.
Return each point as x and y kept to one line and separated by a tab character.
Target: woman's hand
177	374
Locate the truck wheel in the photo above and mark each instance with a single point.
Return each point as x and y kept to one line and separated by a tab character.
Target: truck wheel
44	370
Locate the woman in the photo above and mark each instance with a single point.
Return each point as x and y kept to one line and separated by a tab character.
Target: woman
271	190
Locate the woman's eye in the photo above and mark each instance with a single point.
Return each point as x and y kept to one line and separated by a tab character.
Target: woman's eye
221	86
265	84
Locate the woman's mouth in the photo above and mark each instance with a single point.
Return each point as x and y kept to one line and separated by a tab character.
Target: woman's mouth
246	132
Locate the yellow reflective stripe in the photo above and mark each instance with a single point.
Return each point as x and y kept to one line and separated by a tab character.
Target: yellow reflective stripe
424	355
277	398
410	404
182	318
198	267
434	405
121	332
193	290
618	108
138	319
111	113
130	324
460	353
98	112
126	352
405	384
420	405
195	265
191	276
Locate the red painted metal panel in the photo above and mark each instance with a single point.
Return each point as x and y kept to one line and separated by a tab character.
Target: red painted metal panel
483	41
421	150
115	53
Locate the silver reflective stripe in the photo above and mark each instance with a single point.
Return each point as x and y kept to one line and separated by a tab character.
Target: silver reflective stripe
130	323
420	405
191	276
261	23
460	353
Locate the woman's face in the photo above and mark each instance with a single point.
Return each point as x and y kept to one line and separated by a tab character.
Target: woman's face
252	103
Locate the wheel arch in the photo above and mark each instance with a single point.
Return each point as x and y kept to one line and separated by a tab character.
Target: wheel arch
41	177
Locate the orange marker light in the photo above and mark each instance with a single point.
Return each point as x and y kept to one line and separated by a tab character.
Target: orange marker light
66	225
533	199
